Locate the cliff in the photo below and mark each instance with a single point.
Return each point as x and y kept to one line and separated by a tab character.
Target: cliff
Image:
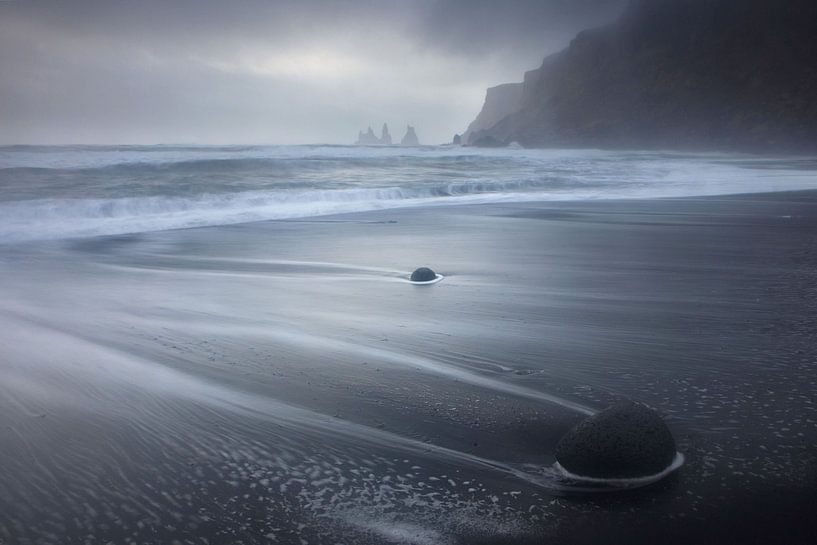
684	74
500	102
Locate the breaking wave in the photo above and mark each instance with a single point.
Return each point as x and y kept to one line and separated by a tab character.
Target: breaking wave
56	192
61	218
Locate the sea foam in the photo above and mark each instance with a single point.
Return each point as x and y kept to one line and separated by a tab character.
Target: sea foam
57	192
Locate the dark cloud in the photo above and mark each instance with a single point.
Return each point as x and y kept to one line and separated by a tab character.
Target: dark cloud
476	26
261	71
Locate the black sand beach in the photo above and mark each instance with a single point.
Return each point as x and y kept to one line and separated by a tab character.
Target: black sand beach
283	382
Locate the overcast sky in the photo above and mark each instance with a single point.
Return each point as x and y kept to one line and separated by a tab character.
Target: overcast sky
253	71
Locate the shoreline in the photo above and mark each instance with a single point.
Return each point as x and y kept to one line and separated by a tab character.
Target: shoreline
803	196
273	360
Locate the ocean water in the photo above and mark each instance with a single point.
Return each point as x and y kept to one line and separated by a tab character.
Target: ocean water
54	192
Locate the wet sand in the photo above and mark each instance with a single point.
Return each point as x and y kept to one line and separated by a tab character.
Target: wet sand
283	381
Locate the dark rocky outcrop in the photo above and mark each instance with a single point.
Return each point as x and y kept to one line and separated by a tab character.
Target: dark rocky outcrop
623	441
457	140
682	74
410	139
487	141
423	274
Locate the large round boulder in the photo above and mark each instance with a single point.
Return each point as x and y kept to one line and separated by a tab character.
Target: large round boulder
625	440
423	274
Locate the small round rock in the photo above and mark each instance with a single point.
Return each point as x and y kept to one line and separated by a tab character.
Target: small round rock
626	440
423	274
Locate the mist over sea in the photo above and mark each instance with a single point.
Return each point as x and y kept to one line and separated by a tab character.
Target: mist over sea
66	191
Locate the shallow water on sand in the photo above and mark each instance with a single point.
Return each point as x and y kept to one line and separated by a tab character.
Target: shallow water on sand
283	382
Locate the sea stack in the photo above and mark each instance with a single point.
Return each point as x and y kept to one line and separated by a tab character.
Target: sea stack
367	138
410	139
626	440
423	274
457	140
385	137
